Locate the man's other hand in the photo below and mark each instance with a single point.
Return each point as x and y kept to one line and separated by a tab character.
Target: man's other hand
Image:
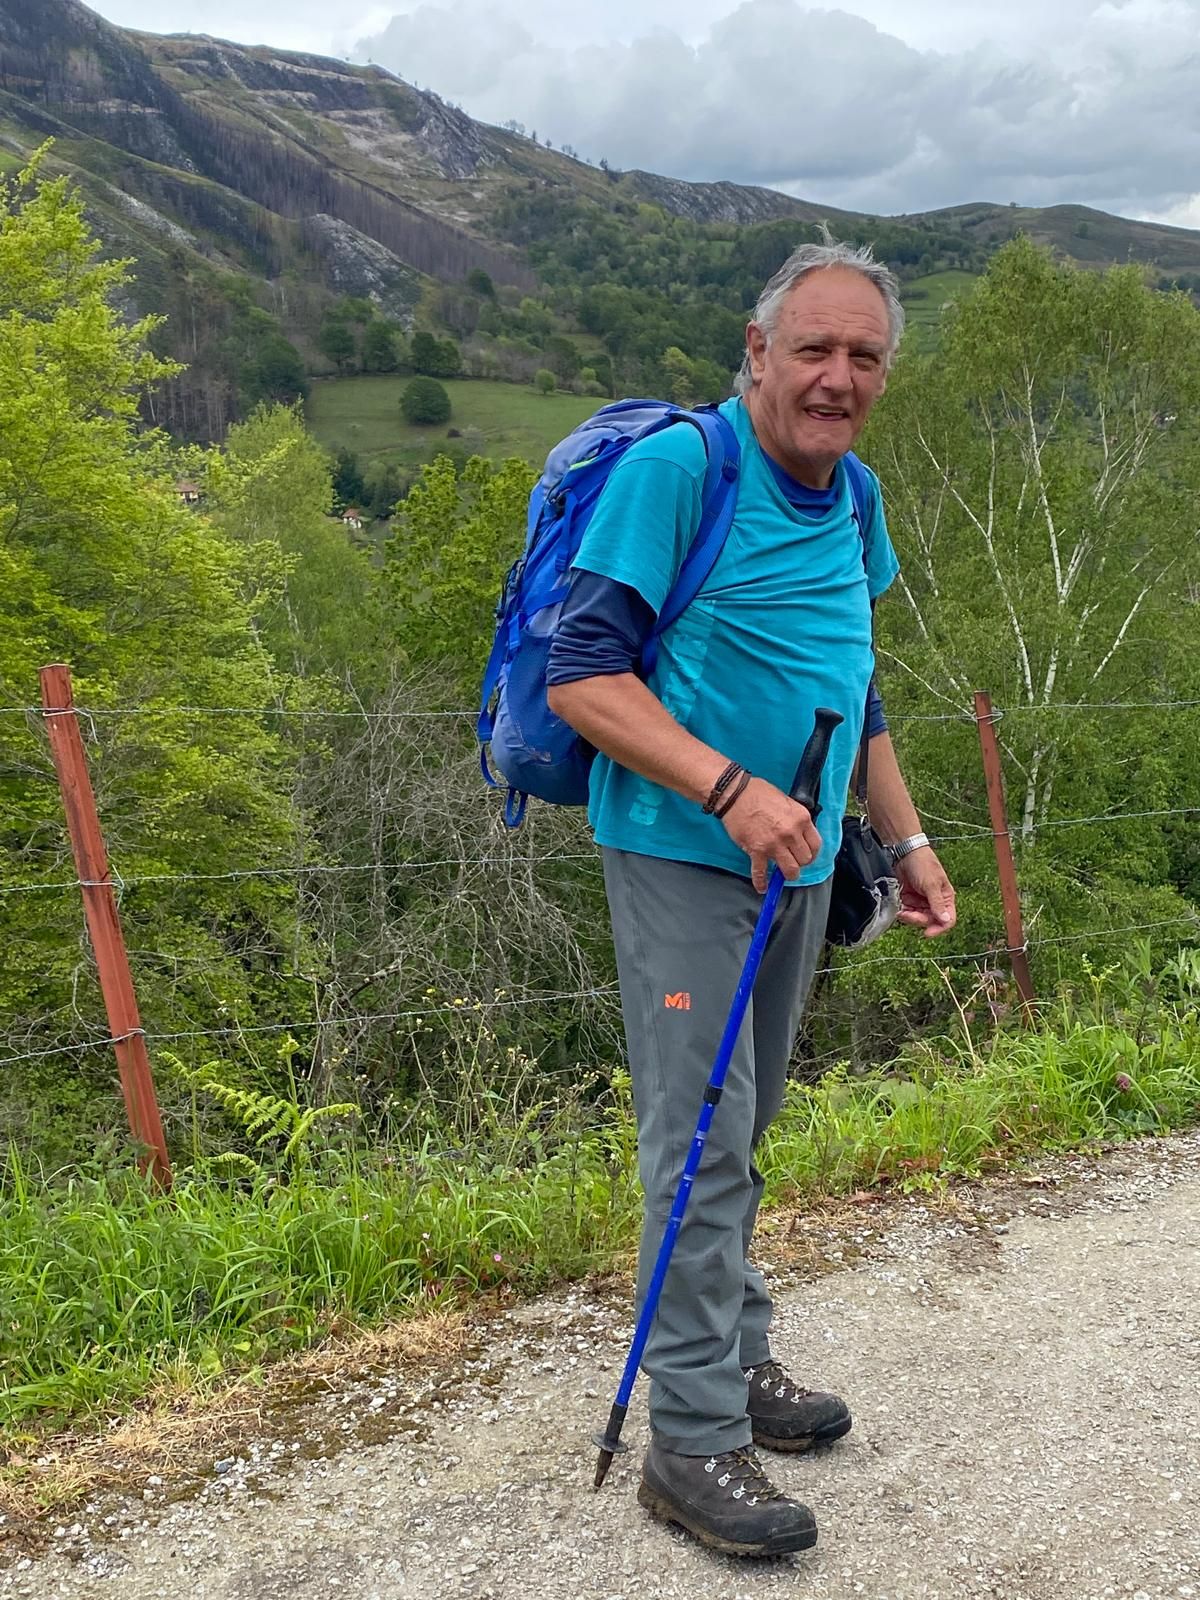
926	893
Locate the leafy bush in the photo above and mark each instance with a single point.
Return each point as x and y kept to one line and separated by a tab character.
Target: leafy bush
425	401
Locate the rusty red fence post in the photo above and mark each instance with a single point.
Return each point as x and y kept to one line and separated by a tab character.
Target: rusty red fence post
103	921
985	721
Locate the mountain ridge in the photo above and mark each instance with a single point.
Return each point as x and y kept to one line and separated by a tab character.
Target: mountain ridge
272	182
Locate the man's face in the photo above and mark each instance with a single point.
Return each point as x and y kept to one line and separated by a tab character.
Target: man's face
823	370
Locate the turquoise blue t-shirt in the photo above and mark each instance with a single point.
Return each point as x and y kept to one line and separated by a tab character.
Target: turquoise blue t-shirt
781	626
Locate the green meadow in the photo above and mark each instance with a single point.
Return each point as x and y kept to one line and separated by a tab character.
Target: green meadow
496	419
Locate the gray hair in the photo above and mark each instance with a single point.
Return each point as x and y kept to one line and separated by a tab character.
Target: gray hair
811	258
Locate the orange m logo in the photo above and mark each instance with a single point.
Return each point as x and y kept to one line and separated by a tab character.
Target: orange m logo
679	1002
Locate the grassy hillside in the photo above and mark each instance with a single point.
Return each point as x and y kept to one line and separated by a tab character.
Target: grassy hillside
497	419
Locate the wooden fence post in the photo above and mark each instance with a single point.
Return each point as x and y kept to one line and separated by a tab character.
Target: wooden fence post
985	721
103	921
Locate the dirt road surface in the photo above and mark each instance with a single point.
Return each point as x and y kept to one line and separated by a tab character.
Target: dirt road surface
1024	1368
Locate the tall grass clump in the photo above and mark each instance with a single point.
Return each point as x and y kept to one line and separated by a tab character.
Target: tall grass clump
1114	1058
111	1288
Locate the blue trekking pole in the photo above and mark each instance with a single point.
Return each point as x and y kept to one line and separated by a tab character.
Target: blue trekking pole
806	788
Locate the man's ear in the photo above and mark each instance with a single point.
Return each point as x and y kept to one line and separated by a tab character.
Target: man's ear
756	347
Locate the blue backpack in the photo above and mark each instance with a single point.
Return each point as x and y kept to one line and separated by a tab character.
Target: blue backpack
536	752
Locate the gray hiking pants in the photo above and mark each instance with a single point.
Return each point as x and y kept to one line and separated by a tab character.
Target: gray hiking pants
681	934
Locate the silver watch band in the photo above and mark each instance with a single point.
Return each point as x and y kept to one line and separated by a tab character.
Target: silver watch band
905	847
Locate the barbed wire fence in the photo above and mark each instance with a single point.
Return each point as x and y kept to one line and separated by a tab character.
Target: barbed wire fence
424	932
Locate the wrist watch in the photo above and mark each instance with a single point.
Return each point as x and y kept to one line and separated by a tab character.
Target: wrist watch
905	847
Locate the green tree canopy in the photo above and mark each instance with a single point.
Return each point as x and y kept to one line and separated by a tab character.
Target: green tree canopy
379	352
347	478
273	371
453	538
433	357
103	567
271	489
425	401
336	342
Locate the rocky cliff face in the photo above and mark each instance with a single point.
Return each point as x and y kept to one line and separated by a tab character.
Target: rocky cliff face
718	202
357	265
387	121
61	57
292	137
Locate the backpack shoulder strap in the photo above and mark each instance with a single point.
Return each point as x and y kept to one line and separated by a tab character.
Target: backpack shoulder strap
860	493
864	505
718	501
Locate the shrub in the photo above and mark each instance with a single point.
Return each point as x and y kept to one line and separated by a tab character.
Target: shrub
425	401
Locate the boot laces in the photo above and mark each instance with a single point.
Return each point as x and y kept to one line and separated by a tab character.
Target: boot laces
770	1375
743	1470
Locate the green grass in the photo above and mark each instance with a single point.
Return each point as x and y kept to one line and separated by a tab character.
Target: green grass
363	415
109	1288
924	298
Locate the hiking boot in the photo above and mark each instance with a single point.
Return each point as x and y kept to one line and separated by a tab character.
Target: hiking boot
784	1415
726	1500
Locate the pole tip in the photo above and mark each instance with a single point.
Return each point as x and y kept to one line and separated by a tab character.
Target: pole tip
609	1447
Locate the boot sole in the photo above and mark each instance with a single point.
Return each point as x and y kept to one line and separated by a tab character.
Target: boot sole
805	1441
786	1544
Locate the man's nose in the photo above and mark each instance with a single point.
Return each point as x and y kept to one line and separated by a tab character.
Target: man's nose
836	372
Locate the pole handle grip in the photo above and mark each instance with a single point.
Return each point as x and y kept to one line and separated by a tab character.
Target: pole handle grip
806	785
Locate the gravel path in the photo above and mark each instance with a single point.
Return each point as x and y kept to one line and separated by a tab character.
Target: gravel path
1025	1375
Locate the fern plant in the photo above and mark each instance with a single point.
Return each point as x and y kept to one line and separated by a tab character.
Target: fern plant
264	1117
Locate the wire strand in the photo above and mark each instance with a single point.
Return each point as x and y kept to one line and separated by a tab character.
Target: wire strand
968	835
1107	933
1113	816
273	711
967	714
600	992
123	883
236	1030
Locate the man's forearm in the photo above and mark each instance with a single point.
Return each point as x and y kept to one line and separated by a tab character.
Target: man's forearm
620	716
893	814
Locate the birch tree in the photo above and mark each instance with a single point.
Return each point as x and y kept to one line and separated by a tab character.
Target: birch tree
1041	475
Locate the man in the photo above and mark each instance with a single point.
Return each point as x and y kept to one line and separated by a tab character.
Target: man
782	625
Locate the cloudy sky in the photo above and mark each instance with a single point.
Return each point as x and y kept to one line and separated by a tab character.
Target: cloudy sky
883	105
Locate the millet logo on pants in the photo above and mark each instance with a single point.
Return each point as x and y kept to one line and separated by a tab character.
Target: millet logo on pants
678	1002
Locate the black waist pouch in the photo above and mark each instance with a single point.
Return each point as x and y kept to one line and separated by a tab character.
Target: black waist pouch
865	899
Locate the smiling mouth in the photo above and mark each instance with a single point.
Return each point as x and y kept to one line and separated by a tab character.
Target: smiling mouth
827	413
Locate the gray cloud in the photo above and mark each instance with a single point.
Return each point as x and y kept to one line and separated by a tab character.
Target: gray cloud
286	24
1098	103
